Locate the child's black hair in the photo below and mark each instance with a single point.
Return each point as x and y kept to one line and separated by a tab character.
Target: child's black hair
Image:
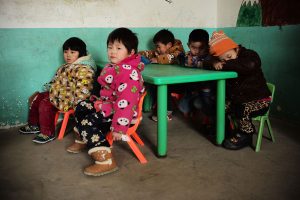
164	36
75	44
199	35
126	36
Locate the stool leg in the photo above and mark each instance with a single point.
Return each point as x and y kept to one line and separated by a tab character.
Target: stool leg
137	152
259	136
270	130
137	139
63	126
56	118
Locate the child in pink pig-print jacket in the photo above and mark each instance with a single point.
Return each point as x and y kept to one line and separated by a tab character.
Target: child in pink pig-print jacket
116	108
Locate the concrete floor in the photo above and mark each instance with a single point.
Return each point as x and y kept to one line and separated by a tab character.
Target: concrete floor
194	169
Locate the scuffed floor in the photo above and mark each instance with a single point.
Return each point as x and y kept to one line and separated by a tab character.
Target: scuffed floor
194	168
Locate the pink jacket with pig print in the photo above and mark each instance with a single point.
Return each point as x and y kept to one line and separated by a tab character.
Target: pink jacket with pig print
121	87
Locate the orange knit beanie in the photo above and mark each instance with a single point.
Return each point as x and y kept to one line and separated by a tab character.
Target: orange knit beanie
219	43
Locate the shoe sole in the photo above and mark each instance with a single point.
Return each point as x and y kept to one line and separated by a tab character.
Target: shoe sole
29	133
102	173
240	147
43	142
71	151
155	120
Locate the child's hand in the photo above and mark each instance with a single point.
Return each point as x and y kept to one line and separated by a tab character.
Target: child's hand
98	105
153	60
116	136
189	61
94	98
218	65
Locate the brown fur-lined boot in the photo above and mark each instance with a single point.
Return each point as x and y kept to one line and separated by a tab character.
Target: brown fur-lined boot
104	162
78	145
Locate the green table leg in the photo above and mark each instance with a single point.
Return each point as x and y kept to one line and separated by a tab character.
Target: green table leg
220	111
162	120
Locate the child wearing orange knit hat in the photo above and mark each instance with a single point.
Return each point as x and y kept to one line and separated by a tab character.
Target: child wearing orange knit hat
247	95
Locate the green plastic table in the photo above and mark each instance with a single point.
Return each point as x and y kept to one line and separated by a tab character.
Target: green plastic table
163	75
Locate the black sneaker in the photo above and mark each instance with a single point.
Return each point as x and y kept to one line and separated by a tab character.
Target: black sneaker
28	129
238	141
42	139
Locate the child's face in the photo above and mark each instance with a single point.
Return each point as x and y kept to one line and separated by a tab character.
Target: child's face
228	55
162	48
197	48
116	52
70	56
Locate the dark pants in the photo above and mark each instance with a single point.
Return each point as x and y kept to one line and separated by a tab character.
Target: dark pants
42	113
243	113
92	126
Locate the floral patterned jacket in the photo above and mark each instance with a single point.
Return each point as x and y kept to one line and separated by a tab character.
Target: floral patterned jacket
72	83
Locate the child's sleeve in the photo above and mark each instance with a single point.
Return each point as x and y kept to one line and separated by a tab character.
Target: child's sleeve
171	57
83	83
107	80
126	104
245	64
149	54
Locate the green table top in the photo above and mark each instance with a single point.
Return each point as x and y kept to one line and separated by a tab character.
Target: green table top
171	74
159	74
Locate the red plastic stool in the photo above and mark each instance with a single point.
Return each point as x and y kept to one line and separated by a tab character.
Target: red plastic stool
64	122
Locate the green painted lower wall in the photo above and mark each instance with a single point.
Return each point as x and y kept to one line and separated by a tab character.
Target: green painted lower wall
30	57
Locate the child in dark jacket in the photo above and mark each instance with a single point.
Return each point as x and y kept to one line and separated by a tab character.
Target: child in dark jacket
247	95
196	95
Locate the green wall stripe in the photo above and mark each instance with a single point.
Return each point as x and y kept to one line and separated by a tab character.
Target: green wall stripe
29	58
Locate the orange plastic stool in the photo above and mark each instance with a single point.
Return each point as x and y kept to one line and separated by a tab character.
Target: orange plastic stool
64	122
132	134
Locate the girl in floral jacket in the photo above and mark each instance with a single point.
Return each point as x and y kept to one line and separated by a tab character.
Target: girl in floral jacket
73	82
121	87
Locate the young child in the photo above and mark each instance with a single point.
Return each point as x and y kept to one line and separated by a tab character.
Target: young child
72	83
247	95
167	50
121	88
198	54
196	95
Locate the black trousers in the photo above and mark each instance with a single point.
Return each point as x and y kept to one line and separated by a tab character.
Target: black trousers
92	126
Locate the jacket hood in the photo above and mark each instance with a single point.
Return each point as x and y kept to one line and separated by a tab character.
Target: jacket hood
86	60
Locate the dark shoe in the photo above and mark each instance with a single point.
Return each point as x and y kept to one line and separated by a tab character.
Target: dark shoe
238	141
28	129
42	139
169	116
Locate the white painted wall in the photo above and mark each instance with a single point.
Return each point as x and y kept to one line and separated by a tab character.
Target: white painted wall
116	13
107	13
